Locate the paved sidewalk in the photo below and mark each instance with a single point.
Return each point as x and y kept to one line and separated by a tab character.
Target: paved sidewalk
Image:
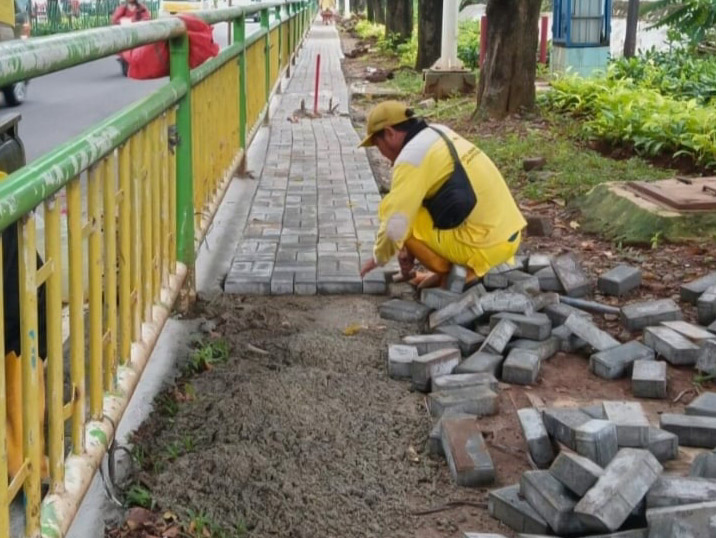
313	218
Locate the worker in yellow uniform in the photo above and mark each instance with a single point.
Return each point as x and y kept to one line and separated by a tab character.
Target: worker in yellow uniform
448	203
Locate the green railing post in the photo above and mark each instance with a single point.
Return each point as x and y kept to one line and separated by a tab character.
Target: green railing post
294	26
265	26
280	38
179	69
240	37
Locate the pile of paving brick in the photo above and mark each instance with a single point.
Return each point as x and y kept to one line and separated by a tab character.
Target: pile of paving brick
596	469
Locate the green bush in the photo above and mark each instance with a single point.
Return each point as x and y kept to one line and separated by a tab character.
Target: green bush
468	43
368	30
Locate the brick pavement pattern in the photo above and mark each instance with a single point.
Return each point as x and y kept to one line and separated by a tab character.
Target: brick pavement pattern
313	218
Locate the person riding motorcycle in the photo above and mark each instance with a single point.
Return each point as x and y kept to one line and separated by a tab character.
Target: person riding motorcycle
132	10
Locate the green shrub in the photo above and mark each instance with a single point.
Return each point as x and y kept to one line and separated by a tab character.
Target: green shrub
468	43
368	30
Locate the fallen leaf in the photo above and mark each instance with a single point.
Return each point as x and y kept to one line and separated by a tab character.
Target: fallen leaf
574	225
413	455
353	329
138	517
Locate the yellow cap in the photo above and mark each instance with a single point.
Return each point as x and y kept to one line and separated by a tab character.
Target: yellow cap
385	114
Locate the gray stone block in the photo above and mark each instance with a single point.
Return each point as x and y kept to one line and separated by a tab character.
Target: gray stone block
537	262
456	279
435	441
706	306
634	533
688	330
594	411
499	337
548	280
483	535
712	527
534	327
468	341
671	345
631	422
427	343
506	301
495	281
540	301
638	316
571	275
704	405
462	312
562	424
545	349
691	291
577	473
712	328
535	433
481	362
568	342
522	282
678	490
400	357
432	365
521	367
506	505
648	379
631	473
691	430
405	311
620	280
597	440
438	298
479	401
695	517
706	360
552	501
559	313
375	283
618	361
450	382
704	466
664	445
590	333
467	455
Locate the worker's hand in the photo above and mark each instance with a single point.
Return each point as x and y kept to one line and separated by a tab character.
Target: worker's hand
407	263
368	267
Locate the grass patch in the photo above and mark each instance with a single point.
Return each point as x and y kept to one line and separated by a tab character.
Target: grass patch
406	81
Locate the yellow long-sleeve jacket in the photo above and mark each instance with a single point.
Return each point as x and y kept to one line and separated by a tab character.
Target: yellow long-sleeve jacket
422	167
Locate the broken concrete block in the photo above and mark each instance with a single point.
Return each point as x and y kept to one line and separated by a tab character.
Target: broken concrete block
577	473
427	367
694	517
446	383
479	401
706	306
568	342
648	379
631	422
506	505
559	313
438	298
689	330
704	405
456	279
481	362
671	345
506	301
405	311
534	327
521	367
631	473
617	362
638	316
537	262
435	441
427	343
704	466
664	445
620	280
548	280
691	430
706	360
692	291
678	490
400	358
562	424
544	349
570	274
468	341
552	501
466	452
467	309
499	337
597	440
590	333
535	432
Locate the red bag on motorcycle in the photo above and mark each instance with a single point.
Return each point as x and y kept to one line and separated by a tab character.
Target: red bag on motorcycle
152	61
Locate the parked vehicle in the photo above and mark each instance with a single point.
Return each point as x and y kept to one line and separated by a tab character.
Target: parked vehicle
14	24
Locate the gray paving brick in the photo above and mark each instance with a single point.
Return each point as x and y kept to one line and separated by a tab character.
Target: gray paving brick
571	275
562	423
548	280
577	473
691	430
597	440
638	316
467	455
620	280
568	342
335	284
506	505
671	345
282	283
559	313
481	362
495	281
706	306
427	343
544	349
375	283
537	262
434	444
688	330
405	311
685	521
631	422
499	337
680	490
704	466
590	333
456	279
400	357
438	298
506	301
648	379
543	300
535	433
533	327
468	341
450	382
664	445
521	367
480	401
432	365
691	291
618	361
461	312
703	405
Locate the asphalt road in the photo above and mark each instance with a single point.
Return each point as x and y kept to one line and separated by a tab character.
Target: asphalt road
62	105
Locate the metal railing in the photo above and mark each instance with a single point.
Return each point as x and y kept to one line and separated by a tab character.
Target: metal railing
136	195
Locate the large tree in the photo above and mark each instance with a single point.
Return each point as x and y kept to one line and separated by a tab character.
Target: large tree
430	31
507	78
358	6
631	26
399	19
376	11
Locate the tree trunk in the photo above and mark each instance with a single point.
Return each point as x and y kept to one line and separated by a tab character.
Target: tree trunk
357	6
379	11
369	13
507	79
399	21
631	24
430	31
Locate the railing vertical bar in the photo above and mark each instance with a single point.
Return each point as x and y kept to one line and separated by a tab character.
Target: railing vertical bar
136	151
96	177
125	241
155	182
110	270
146	232
4	496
